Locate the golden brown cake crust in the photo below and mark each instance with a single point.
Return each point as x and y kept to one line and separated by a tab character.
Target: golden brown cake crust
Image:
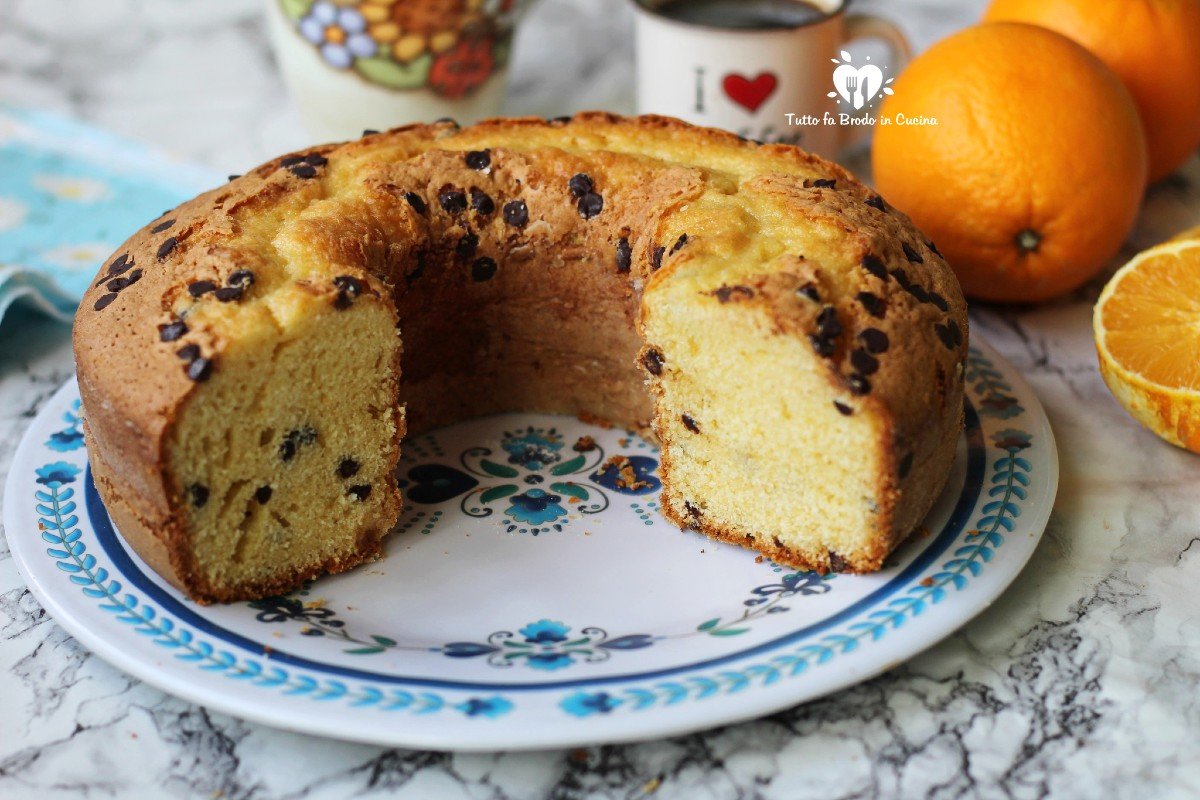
134	384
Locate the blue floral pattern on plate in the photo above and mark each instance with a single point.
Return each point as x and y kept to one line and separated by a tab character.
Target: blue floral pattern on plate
558	662
545	644
533	455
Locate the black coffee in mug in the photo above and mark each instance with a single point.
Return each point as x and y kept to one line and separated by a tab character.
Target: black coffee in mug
756	15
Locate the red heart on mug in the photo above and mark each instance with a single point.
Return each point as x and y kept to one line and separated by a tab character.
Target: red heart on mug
750	93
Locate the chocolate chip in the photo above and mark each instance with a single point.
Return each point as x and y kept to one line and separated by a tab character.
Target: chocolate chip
624	255
172	331
823	346
229	294
117	284
104	301
859	385
303	171
466	247
875	201
809	290
901	277
690	423
360	491
348	288
479	159
446	121
905	466
197	495
939	301
419	271
590	205
262	494
482	203
918	292
952	334
291	161
242	278
199	370
948	334
417	202
911	255
369	132
679	243
452	200
726	293
874	265
874	340
483	269
189	352
162	226
824	183
348	284
872	303
864	362
293	439
166	247
516	213
580	184
120	264
837	563
842	408
347	468
828	324
653	361
692	511
559	120
933	248
343	300
200	288
233	177
656	258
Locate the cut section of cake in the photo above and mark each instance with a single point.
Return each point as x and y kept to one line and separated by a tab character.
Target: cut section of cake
251	362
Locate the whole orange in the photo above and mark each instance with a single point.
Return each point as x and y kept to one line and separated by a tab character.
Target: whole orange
1033	173
1152	45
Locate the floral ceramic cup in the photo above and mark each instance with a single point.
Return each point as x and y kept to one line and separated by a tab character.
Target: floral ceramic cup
358	64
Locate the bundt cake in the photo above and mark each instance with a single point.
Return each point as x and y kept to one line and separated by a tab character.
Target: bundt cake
250	362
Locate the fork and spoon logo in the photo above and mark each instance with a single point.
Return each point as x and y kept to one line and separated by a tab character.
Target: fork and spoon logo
858	86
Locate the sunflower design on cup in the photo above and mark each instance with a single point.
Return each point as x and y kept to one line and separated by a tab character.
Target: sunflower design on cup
450	47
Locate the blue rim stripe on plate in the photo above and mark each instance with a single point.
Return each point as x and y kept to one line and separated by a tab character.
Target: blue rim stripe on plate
973	485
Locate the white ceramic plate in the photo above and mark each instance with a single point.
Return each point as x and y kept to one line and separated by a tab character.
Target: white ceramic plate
529	600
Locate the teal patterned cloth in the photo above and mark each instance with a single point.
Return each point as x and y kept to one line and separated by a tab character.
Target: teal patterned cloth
69	195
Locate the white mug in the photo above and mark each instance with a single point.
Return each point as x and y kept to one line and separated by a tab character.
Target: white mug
795	85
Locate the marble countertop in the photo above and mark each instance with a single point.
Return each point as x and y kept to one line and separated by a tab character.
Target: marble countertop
1081	681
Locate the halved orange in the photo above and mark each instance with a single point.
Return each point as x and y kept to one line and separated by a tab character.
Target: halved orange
1147	328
